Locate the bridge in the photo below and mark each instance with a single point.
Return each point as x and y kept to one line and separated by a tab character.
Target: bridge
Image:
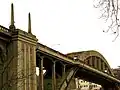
20	54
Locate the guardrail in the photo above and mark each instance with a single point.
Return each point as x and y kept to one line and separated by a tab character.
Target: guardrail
53	52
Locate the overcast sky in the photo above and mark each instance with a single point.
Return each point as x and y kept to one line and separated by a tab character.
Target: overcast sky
64	25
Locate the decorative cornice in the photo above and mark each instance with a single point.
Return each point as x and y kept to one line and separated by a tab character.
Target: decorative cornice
24	36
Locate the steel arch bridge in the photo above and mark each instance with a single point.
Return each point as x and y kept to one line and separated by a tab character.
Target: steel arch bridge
20	54
88	65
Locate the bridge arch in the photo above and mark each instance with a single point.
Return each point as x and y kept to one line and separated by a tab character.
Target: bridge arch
90	58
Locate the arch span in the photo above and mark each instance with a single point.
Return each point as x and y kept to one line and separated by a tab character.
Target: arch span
91	57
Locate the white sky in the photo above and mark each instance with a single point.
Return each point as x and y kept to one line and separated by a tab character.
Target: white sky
73	24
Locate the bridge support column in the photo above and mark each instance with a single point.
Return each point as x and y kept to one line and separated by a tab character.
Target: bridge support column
103	66
90	61
53	76
41	73
95	62
99	64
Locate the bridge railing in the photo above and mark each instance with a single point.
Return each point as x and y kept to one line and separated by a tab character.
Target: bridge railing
52	51
2	28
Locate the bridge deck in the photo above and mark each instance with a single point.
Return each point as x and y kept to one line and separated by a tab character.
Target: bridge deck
46	50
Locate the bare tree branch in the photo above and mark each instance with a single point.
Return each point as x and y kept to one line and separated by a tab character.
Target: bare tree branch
110	12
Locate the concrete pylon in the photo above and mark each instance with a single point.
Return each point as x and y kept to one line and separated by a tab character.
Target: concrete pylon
12	26
29	23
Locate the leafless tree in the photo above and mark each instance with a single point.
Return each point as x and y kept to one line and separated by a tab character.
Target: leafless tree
110	12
